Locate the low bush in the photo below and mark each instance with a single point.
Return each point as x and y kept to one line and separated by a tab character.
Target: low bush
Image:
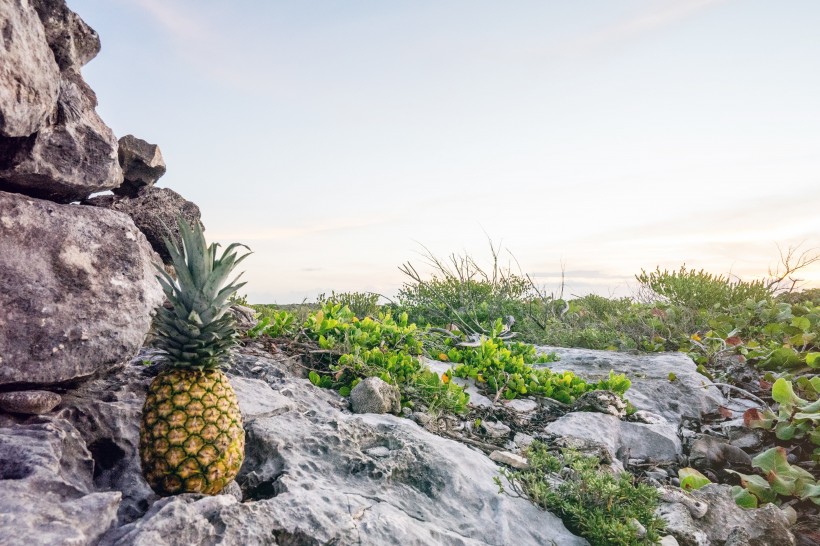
591	501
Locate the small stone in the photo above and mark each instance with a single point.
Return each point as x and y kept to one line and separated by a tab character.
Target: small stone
523	440
601	402
509	459
374	395
142	165
495	429
522	406
668	540
29	402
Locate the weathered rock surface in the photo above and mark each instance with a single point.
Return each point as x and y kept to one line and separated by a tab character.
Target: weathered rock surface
72	156
373	395
725	522
142	165
29	77
29	402
622	440
155	212
72	41
690	395
314	474
53	145
47	493
77	289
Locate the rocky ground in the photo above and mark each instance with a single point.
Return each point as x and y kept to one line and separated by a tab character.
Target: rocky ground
317	473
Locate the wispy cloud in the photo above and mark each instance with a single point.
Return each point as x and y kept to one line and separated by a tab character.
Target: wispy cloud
657	17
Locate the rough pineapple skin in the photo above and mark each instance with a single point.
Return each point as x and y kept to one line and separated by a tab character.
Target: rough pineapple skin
191	438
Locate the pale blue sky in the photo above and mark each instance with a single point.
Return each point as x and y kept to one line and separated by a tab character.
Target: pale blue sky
335	136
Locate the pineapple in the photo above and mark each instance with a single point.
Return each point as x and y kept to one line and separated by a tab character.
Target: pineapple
191	435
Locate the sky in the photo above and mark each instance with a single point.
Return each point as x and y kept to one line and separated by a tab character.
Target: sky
340	139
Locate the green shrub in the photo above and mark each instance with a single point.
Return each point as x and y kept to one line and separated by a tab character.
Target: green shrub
505	369
463	293
699	289
382	347
591	501
363	304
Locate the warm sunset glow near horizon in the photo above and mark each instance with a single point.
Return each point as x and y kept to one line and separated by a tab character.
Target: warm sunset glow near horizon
596	136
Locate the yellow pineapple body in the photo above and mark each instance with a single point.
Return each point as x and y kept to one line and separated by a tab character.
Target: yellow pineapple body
191	438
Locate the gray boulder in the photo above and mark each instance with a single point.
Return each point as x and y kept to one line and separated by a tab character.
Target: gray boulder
374	395
690	395
47	491
72	41
77	289
622	440
154	211
29	77
142	165
73	155
725	522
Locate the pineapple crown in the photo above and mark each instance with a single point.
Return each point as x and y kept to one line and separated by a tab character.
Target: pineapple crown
196	332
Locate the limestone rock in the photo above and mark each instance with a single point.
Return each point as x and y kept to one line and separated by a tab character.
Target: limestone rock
316	474
509	459
29	77
622	440
691	395
373	395
72	156
142	165
601	402
47	495
709	452
77	289
495	429
29	402
72	41
725	522
154	211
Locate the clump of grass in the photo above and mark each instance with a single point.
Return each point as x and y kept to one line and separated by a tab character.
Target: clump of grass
591	501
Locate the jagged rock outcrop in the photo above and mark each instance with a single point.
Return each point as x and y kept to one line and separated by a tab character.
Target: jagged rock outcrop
314	473
154	211
142	165
77	288
48	496
29	76
53	145
72	41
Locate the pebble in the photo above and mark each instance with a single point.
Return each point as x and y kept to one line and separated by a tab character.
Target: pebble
509	459
495	429
29	402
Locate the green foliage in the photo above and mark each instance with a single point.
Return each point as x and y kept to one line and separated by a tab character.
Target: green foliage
773	335
506	369
382	347
796	418
275	324
691	479
362	304
590	500
197	332
462	292
699	289
781	479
